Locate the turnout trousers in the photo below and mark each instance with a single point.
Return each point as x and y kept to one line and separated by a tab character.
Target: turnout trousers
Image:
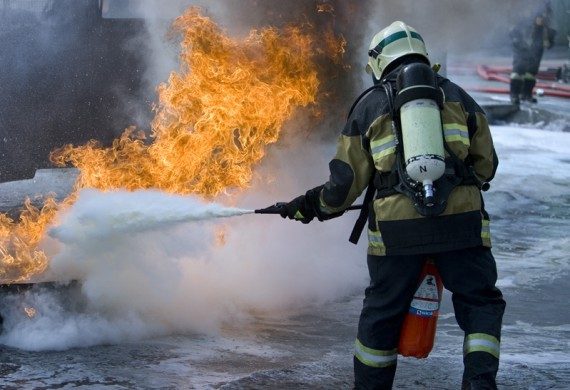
469	274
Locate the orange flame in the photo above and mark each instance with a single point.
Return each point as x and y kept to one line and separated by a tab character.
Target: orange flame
19	258
213	120
325	7
30	312
214	117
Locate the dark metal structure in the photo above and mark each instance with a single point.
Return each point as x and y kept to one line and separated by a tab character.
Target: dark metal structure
67	75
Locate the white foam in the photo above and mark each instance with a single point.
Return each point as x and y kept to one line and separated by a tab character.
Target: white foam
532	180
99	214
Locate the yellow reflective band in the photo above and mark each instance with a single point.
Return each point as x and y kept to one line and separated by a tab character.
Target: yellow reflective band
375	357
528	76
383	147
485	229
456	132
375	239
481	342
298	215
324	208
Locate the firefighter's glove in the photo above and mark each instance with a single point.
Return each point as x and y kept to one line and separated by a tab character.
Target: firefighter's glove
298	209
314	199
304	208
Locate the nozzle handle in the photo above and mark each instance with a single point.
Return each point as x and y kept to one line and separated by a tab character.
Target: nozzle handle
277	208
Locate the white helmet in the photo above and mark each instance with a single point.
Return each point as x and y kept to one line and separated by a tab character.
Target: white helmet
393	42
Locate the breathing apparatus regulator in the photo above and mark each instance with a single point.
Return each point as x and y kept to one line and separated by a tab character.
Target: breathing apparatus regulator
419	103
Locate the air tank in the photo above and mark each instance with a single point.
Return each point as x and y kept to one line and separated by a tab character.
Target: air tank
419	102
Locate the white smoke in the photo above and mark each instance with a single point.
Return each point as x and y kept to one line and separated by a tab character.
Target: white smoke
96	214
152	264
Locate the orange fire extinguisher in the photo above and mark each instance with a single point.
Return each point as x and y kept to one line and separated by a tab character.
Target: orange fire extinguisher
418	330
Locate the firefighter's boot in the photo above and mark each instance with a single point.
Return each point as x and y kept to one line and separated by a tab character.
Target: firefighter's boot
526	92
515	90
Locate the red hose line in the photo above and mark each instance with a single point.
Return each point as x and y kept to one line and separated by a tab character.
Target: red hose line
547	92
550	89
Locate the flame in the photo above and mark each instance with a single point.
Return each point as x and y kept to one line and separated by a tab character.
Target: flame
213	120
18	241
221	235
214	117
325	7
30	312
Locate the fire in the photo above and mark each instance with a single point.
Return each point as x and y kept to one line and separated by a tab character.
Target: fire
220	235
18	241
213	120
214	116
325	7
30	312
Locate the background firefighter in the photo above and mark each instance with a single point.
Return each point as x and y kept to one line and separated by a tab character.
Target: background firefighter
400	236
529	39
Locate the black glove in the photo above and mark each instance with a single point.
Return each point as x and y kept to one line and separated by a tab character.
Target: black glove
303	208
298	209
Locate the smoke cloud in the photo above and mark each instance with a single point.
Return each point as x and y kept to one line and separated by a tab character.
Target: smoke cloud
67	77
73	71
451	29
186	277
159	211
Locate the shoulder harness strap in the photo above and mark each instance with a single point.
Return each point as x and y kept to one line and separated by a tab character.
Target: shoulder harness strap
370	191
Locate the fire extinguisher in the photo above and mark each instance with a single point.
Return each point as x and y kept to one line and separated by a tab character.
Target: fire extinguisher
418	330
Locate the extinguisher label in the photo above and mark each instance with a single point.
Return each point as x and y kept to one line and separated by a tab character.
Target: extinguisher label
426	298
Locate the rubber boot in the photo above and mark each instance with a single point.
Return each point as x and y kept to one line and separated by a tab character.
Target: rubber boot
516	88
526	92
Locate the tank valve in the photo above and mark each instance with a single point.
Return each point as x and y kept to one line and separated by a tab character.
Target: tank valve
429	199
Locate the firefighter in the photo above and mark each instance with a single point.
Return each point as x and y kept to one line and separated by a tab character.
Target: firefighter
404	227
529	39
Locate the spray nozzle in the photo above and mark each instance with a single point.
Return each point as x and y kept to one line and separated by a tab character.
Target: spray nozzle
277	208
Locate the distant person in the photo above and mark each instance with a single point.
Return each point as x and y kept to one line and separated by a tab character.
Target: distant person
408	220
529	39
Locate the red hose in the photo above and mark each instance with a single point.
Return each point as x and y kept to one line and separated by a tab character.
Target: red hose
494	74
